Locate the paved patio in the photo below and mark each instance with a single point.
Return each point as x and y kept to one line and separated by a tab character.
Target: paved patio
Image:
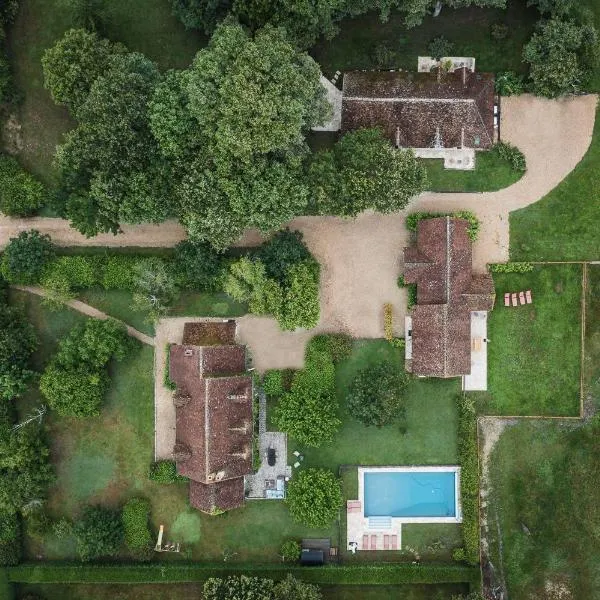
259	484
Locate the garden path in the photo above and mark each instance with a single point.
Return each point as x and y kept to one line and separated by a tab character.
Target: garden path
90	311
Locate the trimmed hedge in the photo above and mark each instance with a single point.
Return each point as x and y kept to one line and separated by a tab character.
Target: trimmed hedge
413	219
511	267
165	471
372	574
136	519
468	459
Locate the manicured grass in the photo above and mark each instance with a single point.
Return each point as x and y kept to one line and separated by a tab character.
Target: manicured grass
429	438
386	592
357	44
534	350
564	224
150	29
539	513
592	341
490	174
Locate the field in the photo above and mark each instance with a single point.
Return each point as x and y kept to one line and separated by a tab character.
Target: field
544	499
534	350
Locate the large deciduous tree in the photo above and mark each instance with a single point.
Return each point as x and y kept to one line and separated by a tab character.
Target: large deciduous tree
314	497
364	171
560	56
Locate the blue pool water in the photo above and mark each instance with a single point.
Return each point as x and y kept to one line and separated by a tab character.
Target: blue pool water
410	494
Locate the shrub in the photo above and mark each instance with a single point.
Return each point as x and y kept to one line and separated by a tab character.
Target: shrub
468	459
512	155
26	256
99	533
388	322
413	219
119	272
291	588
337	345
37	523
301	308
273	383
63	528
155	287
440	46
198	266
69	273
284	250
138	538
499	31
511	267
314	497
290	550
165	471
11	548
509	83
241	586
21	195
376	394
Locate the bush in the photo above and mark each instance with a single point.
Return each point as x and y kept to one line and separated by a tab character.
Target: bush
155	287
21	195
411	290
314	497
440	46
509	84
413	219
388	322
499	31
99	533
198	266
290	550
10	539
376	394
26	256
165	471
468	459
69	273
301	307
138	538
511	267
284	250
62	529
337	345
37	523
512	155
119	272
273	383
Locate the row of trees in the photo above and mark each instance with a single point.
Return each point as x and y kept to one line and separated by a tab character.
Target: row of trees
219	145
306	21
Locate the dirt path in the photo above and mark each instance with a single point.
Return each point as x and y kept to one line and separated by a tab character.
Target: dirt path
90	311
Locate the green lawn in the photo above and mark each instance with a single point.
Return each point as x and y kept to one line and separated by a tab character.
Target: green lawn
366	43
150	29
430	438
540	512
490	174
592	341
534	350
564	224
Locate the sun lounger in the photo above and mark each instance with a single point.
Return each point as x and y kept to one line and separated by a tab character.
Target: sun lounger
373	542
394	542
386	542
514	299
522	298
528	297
365	542
507	299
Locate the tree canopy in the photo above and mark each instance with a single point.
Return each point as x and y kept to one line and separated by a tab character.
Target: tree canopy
314	497
376	394
364	171
99	533
21	194
26	256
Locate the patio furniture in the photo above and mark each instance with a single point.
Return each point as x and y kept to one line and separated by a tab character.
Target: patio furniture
507	299
296	453
269	484
386	542
373	542
365	542
514	299
296	465
528	297
522	298
394	542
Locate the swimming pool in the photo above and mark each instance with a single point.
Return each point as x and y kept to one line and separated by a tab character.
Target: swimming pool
412	494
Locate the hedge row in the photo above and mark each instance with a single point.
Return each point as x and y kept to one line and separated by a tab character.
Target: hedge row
372	574
511	267
413	219
468	459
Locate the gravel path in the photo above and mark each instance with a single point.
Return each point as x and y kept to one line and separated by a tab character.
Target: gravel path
90	311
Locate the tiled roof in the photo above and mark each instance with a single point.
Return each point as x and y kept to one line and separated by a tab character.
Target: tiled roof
447	291
223	495
209	333
411	107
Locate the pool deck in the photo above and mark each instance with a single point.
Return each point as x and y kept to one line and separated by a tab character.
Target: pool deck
362	530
